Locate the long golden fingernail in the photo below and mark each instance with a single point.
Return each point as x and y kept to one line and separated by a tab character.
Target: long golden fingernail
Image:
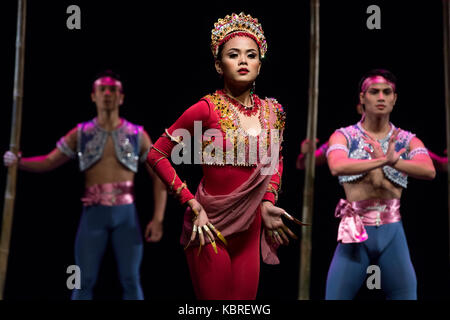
222	238
187	244
213	243
288	215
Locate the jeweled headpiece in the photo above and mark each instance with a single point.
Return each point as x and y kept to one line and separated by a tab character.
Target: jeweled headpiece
237	25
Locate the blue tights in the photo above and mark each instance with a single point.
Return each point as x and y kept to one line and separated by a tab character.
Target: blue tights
98	224
386	247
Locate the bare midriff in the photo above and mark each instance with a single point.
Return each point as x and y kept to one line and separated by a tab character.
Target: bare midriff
374	185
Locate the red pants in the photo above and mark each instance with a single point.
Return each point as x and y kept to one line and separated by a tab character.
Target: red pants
232	273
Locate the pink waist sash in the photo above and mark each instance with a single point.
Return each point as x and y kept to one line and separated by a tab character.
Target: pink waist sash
357	214
109	194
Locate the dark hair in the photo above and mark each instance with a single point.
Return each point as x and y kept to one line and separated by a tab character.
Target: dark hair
106	73
378	72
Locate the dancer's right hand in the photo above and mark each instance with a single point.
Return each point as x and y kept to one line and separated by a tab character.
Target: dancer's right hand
201	220
9	159
377	151
202	224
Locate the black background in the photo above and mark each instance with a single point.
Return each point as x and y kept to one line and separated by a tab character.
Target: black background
162	52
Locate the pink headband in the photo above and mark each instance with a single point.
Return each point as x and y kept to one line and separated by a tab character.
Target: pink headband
107	81
375	79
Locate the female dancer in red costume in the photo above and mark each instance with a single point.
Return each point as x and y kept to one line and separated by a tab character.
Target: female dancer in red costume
236	193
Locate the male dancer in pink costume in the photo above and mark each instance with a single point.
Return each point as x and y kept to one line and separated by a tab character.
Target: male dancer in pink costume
373	159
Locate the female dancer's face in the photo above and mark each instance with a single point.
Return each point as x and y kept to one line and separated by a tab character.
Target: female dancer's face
239	63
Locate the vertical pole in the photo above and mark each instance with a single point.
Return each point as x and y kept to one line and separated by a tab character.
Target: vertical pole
10	191
308	193
446	24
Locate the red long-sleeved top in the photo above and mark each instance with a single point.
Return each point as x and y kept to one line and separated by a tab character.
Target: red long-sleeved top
217	179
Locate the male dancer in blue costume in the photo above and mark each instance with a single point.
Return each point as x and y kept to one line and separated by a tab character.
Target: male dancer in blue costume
109	149
373	160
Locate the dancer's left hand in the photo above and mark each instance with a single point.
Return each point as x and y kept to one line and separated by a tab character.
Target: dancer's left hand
306	146
275	228
392	155
153	231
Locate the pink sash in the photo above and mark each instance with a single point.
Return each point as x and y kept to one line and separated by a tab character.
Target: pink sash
109	194
357	214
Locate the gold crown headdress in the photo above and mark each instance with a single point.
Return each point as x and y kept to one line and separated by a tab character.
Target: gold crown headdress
233	25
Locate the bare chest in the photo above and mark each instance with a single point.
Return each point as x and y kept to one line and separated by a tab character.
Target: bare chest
109	150
108	160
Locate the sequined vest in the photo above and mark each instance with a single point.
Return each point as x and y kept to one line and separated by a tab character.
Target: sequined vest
356	144
92	139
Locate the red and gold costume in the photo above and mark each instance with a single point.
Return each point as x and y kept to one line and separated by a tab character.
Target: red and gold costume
233	272
235	179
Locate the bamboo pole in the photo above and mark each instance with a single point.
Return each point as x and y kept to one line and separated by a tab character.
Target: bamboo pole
446	24
308	193
10	191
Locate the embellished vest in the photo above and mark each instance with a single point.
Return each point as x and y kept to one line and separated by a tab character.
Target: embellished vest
355	143
92	138
237	147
